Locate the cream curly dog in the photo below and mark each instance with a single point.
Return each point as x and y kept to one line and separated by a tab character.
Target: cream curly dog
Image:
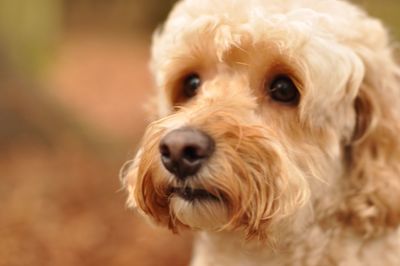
278	137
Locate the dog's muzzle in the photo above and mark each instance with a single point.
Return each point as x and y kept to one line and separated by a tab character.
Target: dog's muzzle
184	150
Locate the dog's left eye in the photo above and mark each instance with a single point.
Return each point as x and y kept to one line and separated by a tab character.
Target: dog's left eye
190	85
282	89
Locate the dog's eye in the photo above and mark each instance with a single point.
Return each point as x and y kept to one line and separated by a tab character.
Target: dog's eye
190	85
282	89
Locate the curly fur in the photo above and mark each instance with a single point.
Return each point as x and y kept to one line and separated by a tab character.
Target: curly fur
312	184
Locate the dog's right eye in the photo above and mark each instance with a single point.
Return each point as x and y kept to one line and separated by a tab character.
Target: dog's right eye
190	85
282	89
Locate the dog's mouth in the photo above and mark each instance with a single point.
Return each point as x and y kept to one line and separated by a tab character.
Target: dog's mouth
192	194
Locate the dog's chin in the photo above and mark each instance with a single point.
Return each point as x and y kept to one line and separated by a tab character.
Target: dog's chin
198	208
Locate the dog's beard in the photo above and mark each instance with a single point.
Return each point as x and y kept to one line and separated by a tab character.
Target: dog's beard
204	212
245	184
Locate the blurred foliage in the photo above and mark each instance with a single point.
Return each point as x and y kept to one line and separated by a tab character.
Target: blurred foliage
28	31
117	15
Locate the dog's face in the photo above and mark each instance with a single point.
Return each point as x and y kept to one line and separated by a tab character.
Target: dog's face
257	110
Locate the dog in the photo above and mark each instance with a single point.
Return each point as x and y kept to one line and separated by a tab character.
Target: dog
278	134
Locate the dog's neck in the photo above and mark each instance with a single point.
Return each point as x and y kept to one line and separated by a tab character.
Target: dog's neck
230	249
315	247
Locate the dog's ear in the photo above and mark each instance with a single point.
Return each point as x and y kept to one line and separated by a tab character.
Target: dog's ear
372	185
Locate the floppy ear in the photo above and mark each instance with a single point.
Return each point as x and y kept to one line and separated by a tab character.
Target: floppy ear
372	185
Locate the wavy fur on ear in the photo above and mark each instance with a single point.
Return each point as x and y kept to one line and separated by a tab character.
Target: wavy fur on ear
372	203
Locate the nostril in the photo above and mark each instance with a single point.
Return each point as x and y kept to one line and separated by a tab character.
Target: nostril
164	150
191	153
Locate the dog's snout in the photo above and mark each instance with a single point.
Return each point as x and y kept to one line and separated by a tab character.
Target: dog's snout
184	150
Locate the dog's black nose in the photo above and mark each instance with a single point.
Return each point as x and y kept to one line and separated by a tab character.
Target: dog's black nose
184	150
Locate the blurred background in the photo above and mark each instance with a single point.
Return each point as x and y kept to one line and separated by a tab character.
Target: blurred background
73	80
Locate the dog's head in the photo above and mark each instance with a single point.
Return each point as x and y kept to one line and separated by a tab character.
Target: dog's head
272	114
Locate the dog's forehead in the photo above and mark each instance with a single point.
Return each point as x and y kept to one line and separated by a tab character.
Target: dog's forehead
320	17
232	34
212	28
